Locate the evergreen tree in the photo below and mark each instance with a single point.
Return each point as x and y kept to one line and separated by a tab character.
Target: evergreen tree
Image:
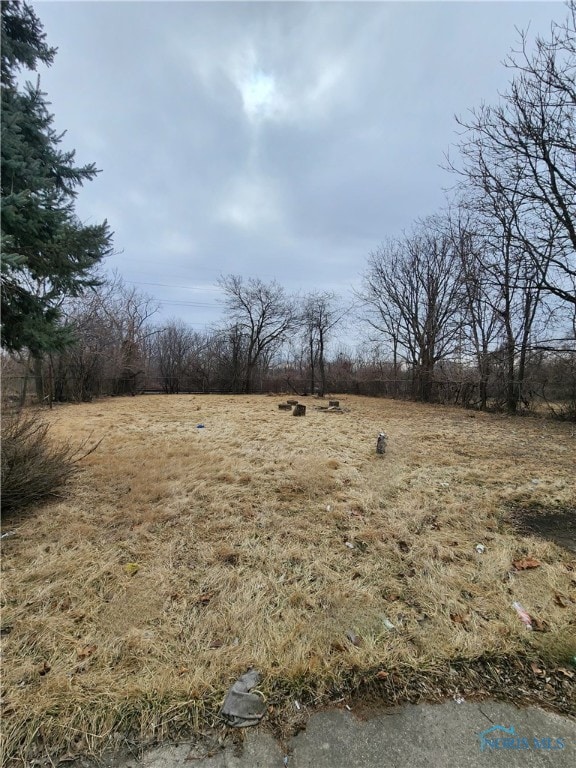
47	253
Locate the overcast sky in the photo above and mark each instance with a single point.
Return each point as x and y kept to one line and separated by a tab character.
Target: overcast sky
275	140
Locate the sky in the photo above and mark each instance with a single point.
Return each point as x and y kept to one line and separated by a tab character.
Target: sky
278	140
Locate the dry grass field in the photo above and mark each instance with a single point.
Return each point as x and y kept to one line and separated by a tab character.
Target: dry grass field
180	556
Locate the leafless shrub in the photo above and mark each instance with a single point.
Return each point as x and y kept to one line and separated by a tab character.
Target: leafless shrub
34	467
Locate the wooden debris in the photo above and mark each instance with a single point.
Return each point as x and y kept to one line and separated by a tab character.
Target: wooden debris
299	410
526	563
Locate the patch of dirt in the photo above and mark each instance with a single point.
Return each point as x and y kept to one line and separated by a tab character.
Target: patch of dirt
557	525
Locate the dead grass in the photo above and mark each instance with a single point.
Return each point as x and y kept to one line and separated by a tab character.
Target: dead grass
184	555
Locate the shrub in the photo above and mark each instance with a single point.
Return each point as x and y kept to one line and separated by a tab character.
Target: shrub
34	468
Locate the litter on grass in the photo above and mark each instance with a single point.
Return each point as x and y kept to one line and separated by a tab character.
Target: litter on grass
523	614
381	443
242	708
387	623
355	639
525	563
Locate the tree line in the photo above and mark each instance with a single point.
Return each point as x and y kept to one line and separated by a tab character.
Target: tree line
475	304
121	349
424	346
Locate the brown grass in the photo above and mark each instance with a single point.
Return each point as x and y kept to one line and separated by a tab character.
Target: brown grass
183	555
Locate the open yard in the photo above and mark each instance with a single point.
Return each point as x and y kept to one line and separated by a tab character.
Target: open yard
180	556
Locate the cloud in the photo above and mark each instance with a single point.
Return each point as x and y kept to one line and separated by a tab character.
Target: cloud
251	203
284	140
174	242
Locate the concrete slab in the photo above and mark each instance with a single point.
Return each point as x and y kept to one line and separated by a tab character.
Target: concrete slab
437	736
449	735
260	750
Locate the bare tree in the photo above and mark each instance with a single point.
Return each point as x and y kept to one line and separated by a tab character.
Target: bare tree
382	315
129	312
319	316
412	291
173	348
262	313
111	326
80	371
227	352
524	151
510	285
482	317
495	190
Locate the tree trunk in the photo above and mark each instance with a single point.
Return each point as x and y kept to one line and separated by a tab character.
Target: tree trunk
321	365
248	378
511	386
50	381
38	379
483	389
425	376
483	362
395	365
312	367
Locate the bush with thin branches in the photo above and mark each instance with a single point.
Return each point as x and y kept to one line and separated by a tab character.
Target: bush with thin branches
34	468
